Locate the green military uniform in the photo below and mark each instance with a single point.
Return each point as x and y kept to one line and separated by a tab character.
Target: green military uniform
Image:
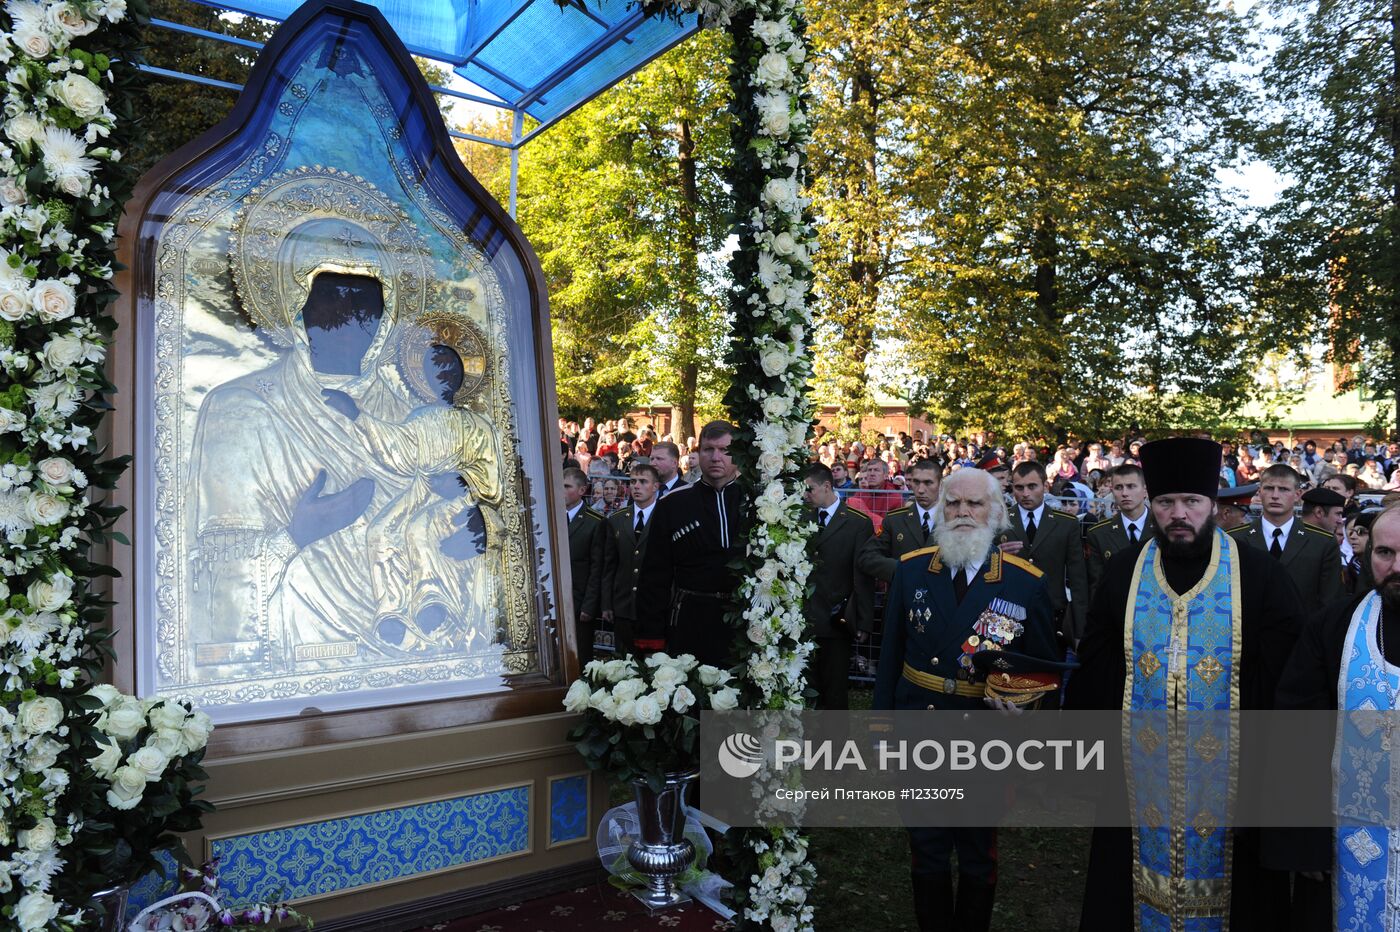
623	550
1108	537
901	533
1312	557
586	534
1059	551
842	601
926	663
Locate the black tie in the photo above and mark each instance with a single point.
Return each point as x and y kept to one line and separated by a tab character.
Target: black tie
821	518
928	531
1276	548
1030	527
1132	534
959	584
641	524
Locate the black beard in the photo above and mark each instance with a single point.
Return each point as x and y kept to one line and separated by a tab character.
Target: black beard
1196	548
1389	590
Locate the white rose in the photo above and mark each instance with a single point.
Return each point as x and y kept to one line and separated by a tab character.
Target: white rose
53	299
767	572
150	760
781	193
196	731
774	361
628	689
34	911
724	699
67	18
74	185
576	699
128	786
775	113
169	741
40	715
123	719
784	244
44	508
771	463
776	407
668	678
32	42
24	129
625	712
39	838
712	676
14	305
168	715
773	70
768	31
618	670
682	698
757	633
113	10
647	710
80	95
63	352
107	761
602	701
12	193
106	693
50	595
56	471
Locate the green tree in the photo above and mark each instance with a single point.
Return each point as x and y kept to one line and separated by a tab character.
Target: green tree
1330	262
1070	256
625	204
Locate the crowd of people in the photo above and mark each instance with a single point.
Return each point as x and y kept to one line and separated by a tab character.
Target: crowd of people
1279	565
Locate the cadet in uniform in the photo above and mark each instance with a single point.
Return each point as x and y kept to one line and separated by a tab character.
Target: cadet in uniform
626	543
1311	555
585	559
907	528
946	604
1129	529
1054	542
841	607
1232	507
697	532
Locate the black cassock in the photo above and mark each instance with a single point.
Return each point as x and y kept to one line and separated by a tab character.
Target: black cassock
1310	682
1272	616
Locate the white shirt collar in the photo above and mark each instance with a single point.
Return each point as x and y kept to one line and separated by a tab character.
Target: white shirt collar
1267	527
1038	514
830	511
573	512
1140	523
645	513
968	572
923	512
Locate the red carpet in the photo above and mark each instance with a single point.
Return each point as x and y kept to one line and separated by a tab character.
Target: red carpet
586	909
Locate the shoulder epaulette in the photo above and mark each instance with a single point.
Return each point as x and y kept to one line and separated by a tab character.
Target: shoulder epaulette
1242	529
1061	514
857	511
1026	565
921	552
589	511
1104	523
901	510
1317	530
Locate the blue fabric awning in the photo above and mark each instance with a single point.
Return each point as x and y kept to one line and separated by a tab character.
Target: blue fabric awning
531	54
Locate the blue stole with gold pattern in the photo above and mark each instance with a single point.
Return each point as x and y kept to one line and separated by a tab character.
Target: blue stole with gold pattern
1366	892
1182	654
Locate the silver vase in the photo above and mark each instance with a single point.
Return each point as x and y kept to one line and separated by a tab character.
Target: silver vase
109	908
662	852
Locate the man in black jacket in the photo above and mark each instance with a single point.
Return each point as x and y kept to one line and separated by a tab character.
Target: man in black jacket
585	558
698	531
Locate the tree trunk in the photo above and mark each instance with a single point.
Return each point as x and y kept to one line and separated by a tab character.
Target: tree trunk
858	326
1393	126
1045	253
688	299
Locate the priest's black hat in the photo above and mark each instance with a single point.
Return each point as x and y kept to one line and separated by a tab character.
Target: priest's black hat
1182	466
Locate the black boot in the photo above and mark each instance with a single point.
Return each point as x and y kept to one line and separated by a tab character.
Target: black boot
974	910
933	900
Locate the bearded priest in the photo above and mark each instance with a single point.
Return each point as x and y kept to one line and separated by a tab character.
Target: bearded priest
1191	621
946	604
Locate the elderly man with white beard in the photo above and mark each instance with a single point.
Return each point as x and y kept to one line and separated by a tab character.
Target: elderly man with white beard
946	604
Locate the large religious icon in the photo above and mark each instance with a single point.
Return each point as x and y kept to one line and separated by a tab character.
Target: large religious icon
338	510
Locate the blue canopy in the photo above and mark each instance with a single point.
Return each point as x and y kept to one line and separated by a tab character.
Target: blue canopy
533	55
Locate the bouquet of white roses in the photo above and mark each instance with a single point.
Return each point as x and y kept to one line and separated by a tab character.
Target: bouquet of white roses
639	717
